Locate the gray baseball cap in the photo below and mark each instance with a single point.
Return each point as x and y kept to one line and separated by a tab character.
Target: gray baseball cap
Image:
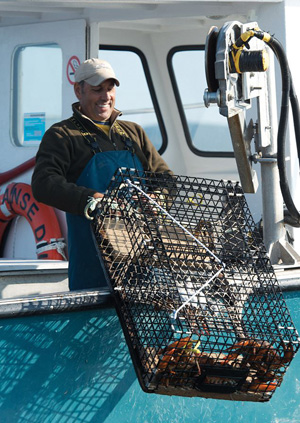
94	72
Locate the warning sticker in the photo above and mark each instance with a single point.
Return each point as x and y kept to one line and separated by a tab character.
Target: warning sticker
72	65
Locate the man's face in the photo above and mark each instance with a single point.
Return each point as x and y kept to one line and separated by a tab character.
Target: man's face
97	103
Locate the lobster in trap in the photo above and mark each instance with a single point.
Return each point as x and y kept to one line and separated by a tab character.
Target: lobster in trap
201	309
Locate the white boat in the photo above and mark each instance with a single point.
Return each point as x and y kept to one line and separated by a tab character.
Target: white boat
162	55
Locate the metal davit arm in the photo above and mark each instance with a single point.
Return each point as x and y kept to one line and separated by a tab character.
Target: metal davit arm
239	78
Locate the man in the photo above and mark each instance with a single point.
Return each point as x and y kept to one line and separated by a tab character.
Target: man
78	156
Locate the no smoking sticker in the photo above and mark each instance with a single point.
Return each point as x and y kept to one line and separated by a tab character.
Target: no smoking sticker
72	65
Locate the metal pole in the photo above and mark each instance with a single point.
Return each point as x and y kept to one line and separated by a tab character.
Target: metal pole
272	203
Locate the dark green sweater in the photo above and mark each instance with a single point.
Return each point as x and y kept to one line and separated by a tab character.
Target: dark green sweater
64	153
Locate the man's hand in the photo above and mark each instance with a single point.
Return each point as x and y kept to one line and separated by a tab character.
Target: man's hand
98	195
91	205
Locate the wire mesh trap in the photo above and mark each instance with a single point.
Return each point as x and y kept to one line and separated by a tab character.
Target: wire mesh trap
197	297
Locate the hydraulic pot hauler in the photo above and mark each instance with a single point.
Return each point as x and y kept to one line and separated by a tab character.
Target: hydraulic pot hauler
236	60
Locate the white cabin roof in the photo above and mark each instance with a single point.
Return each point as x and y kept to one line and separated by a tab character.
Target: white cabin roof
156	15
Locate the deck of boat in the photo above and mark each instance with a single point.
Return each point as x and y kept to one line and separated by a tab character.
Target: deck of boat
49	279
19	278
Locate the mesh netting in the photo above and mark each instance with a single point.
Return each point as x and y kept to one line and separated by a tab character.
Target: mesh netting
196	294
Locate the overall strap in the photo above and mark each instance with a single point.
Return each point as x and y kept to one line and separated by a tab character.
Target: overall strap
126	139
91	141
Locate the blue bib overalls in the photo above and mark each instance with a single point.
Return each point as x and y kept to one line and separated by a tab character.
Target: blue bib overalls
85	270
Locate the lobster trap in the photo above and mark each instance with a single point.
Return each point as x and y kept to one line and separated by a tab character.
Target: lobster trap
197	297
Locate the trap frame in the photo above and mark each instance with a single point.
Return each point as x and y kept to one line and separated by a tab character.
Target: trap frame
201	309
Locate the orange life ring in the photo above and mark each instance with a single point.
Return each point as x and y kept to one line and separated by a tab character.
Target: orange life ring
18	200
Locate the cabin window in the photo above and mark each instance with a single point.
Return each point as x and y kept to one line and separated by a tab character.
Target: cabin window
206	130
135	95
37	92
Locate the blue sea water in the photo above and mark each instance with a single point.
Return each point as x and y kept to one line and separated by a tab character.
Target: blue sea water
75	368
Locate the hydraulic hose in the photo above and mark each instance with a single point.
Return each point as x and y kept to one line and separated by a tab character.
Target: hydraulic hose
296	115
